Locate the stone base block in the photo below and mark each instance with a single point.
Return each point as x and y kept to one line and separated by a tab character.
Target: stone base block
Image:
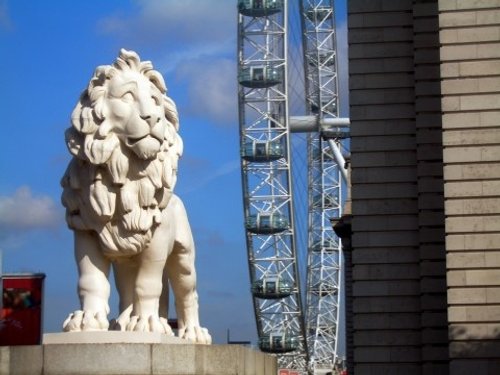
134	358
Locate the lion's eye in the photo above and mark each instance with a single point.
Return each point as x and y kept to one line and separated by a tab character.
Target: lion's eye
156	100
128	97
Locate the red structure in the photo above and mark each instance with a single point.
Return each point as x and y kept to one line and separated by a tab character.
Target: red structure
22	307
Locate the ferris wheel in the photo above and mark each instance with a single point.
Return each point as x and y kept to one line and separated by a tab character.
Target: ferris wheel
304	336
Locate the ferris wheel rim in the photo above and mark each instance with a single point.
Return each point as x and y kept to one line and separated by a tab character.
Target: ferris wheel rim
261	215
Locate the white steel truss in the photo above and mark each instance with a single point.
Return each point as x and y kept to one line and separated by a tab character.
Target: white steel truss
305	340
325	185
266	176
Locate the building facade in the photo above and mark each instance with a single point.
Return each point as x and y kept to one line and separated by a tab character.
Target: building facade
423	294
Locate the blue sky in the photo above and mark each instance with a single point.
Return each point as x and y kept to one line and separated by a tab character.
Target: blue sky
48	52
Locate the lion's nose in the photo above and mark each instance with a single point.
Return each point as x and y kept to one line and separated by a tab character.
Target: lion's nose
151	119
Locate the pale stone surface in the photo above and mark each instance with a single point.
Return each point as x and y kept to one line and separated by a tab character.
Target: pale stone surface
471	154
125	359
471	172
469	18
215	359
178	359
466	296
468	119
96	359
473	224
21	360
118	194
467	4
472	188
110	337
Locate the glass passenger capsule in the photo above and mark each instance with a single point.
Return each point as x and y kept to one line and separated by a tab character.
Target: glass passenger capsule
259	8
278	343
259	76
266	223
272	288
261	151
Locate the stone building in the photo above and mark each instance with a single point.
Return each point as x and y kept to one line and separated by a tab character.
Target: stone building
423	294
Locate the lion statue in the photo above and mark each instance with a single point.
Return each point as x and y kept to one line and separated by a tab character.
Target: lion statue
118	195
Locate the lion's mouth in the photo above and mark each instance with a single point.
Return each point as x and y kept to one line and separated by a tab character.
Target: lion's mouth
132	141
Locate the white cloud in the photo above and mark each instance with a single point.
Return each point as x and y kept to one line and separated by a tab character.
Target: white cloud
176	23
24	211
212	90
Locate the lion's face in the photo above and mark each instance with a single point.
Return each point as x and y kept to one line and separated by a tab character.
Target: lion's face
134	106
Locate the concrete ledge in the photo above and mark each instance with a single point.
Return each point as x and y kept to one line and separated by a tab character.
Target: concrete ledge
134	358
21	360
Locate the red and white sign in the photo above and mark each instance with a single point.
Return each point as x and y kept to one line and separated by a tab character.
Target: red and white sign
21	313
285	371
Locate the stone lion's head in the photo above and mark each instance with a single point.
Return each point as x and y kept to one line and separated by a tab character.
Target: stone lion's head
125	146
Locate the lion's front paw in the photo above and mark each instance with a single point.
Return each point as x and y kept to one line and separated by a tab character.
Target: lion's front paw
86	321
195	334
149	324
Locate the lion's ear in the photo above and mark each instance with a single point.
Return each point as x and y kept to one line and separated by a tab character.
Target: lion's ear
157	80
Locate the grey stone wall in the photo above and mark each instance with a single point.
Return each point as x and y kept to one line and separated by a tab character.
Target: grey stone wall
398	256
385	240
425	114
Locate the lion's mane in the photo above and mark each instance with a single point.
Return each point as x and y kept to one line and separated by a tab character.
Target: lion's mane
106	187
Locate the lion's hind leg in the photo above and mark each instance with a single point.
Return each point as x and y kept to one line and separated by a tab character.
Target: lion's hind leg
183	282
182	277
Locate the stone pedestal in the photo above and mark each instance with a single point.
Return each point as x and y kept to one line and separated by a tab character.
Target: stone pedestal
112	356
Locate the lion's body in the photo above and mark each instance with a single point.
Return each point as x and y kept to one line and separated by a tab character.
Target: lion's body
118	194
